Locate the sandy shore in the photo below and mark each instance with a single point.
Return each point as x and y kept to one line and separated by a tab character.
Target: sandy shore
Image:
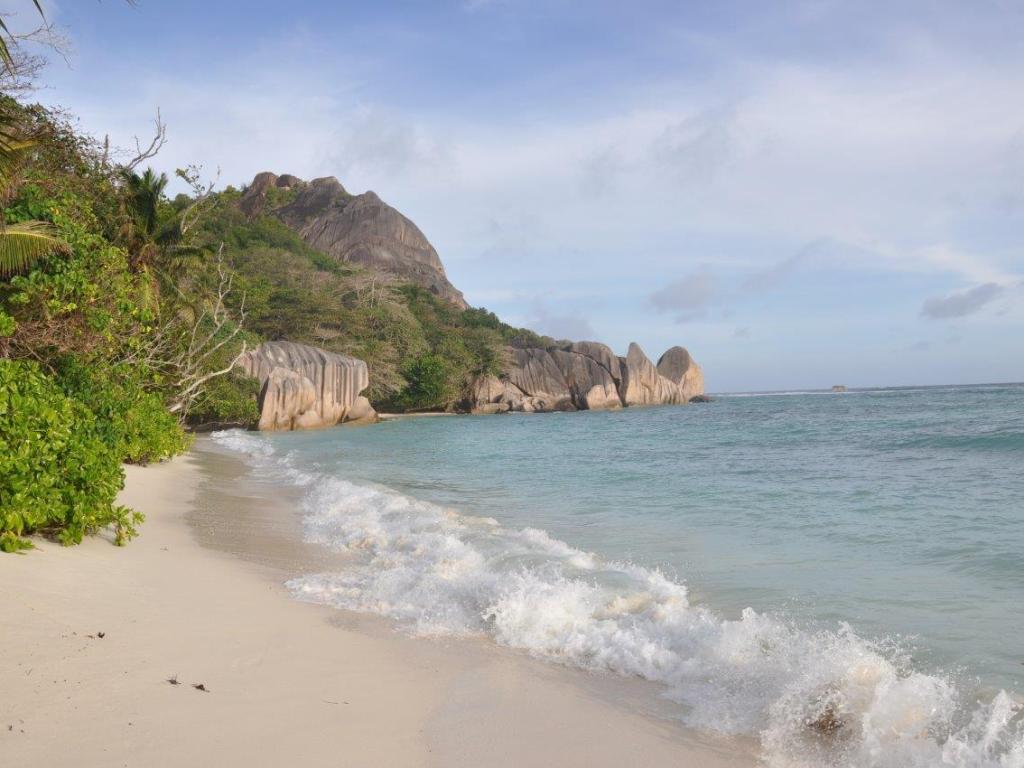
288	684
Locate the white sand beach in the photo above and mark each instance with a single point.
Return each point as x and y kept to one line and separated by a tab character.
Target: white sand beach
287	683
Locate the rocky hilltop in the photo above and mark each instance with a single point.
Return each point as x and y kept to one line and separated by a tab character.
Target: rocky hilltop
359	229
303	387
587	375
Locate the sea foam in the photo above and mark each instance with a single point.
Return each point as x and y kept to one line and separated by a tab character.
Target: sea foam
813	698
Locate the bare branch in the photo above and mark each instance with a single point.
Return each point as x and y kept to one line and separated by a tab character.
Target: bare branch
19	75
185	345
189	394
159	139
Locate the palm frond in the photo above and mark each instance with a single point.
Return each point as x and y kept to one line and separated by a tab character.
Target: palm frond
12	153
13	148
24	244
5	52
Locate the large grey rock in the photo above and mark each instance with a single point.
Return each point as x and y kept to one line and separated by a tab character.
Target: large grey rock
360	229
361	412
600	353
535	373
677	366
305	387
490	391
674	364
590	385
287	400
586	376
254	198
642	384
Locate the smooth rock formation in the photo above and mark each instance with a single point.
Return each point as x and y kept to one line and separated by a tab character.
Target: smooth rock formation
641	382
586	375
360	229
536	374
255	197
677	366
591	385
304	387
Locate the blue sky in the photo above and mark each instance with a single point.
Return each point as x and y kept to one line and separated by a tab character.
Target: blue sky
802	193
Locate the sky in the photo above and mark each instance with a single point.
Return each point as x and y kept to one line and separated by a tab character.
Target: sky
801	193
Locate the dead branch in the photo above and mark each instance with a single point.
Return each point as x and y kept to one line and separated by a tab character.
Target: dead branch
19	78
185	345
159	139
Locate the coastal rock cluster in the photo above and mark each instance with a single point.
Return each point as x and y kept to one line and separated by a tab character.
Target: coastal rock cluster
359	229
303	387
586	375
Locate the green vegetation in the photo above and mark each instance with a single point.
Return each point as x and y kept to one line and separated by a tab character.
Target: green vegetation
122	314
59	472
422	351
95	365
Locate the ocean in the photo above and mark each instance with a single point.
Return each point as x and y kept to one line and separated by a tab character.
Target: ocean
840	576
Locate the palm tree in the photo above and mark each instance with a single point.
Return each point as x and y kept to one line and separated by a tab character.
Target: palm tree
25	243
144	193
146	236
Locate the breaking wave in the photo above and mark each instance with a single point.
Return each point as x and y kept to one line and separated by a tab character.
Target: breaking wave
814	698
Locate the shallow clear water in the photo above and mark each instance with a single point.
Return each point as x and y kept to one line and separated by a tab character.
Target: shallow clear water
877	536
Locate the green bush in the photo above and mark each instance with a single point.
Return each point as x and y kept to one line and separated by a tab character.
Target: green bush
134	423
58	475
428	382
227	399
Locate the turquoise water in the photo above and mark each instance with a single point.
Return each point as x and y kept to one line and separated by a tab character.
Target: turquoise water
767	559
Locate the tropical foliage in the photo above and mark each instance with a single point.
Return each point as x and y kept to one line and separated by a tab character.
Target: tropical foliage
57	472
401	331
95	345
122	312
25	243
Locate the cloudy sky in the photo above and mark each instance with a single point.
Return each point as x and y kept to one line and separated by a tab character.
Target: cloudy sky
802	193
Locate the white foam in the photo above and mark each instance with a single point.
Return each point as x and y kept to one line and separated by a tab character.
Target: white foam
825	698
252	444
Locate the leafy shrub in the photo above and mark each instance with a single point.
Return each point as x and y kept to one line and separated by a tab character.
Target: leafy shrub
58	475
227	399
428	381
134	423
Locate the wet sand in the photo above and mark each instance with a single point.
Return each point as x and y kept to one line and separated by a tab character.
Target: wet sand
198	598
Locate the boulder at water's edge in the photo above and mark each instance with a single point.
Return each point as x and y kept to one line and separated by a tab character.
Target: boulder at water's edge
304	387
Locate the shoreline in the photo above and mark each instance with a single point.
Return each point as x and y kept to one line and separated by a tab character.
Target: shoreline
199	596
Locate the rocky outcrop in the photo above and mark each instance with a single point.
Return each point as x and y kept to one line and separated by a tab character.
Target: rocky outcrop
585	375
641	382
587	369
678	367
359	229
254	200
304	387
537	376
